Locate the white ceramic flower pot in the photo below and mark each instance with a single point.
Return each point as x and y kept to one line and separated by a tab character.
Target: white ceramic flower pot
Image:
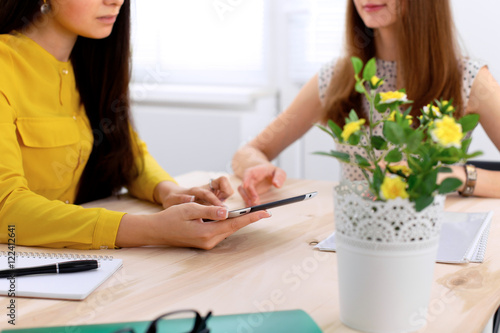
386	256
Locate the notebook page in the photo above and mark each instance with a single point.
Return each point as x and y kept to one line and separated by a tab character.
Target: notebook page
460	235
75	286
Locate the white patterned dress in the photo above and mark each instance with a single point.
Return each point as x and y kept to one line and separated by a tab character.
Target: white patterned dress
387	70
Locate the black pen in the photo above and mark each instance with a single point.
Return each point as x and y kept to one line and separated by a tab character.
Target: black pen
56	268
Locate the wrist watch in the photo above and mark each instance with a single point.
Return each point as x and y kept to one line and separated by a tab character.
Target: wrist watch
470	180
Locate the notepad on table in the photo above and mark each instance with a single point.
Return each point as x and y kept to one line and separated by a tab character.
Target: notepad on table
463	237
72	286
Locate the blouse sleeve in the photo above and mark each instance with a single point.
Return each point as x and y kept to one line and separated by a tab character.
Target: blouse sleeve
150	174
37	221
470	68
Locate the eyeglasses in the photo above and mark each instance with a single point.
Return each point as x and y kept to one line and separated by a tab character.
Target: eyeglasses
191	318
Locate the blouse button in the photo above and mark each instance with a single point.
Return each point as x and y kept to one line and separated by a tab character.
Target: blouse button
65	71
67	201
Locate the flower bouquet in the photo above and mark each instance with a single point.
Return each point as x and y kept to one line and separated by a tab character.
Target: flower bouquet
387	225
406	160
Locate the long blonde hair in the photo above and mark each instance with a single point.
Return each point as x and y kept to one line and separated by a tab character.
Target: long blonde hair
428	65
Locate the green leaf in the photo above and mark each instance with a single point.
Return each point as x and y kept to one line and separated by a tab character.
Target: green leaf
378	142
473	155
422	202
429	183
381	108
370	69
354	139
411	181
335	129
394	156
450	155
393	133
359	87
466	144
449	185
469	122
414	140
343	157
353	116
378	179
361	161
357	64
407	112
324	129
444	170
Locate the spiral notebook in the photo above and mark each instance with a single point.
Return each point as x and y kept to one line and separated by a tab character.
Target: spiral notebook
71	286
463	238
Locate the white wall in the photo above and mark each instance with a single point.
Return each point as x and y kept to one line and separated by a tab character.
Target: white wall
190	128
476	22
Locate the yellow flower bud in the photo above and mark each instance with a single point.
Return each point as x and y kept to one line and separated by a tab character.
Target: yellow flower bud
428	109
374	80
450	107
392	117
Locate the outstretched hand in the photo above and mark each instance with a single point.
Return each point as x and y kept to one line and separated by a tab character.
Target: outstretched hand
258	180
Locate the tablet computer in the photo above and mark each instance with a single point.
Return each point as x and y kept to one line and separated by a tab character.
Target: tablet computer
268	205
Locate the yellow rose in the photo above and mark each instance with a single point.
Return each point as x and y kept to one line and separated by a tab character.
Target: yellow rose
392	96
351	128
393	187
447	132
405	170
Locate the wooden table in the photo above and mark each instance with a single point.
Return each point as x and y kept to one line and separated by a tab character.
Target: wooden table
269	265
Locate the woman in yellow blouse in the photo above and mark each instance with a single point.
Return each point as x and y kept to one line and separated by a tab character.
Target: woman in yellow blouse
66	136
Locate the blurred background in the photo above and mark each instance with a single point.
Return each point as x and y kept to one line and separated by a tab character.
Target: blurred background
210	74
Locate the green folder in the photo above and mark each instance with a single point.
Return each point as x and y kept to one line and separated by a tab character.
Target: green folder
259	322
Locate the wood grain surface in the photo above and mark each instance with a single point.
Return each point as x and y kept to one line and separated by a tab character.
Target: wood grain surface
269	265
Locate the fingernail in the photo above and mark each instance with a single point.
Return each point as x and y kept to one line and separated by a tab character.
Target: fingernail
222	213
268	214
192	198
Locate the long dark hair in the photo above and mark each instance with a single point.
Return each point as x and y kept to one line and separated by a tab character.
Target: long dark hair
428	60
102	71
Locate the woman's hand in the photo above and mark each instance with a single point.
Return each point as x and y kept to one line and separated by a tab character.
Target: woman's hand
182	225
258	180
214	193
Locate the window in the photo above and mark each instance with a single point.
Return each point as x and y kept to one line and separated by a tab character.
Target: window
315	34
201	41
228	41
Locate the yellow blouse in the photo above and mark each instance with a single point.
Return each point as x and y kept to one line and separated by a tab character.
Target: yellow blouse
45	142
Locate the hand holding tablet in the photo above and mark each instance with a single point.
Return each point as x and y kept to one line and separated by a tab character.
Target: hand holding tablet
269	205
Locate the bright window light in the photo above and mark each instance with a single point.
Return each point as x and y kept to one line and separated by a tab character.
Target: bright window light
200	41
